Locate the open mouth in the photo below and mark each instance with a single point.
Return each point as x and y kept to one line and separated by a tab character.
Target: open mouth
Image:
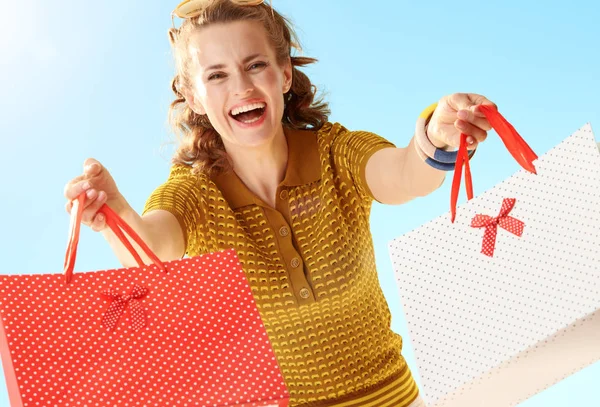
249	114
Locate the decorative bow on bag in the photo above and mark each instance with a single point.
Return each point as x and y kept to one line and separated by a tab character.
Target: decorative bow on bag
514	226
118	305
514	143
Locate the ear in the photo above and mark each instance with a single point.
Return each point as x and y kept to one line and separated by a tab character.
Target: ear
194	103
287	76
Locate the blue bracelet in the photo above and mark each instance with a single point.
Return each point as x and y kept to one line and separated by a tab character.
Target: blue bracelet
444	166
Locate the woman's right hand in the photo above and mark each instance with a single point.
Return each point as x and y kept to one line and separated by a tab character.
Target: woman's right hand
100	188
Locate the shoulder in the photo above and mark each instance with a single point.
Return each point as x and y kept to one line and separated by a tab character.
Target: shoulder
183	180
333	131
330	130
330	135
182	173
336	135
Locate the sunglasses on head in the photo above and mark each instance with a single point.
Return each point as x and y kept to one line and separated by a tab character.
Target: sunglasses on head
193	8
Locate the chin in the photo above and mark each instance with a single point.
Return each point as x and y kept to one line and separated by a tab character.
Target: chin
256	134
257	138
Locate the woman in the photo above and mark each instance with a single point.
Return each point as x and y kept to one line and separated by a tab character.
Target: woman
261	170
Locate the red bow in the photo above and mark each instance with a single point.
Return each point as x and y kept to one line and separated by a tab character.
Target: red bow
119	303
491	224
515	144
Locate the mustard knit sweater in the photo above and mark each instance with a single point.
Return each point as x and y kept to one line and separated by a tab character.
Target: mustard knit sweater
310	263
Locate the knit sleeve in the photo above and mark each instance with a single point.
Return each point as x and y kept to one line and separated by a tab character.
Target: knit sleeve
351	150
179	195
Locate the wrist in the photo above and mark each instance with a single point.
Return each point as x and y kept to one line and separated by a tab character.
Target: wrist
427	114
437	143
119	205
435	153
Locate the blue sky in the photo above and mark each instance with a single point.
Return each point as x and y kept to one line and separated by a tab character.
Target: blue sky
81	79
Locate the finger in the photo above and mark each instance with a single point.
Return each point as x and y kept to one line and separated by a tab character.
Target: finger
69	206
475	100
474	134
472	116
92	167
478	99
460	101
486	102
91	195
90	212
70	184
76	188
99	222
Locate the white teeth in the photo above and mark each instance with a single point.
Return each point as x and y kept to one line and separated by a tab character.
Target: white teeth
247	108
251	120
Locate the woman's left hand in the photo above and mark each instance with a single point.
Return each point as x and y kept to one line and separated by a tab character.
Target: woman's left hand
458	113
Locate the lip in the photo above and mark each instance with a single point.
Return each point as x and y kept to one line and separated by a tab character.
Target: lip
249	125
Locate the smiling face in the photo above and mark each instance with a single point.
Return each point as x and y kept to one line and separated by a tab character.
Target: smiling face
237	81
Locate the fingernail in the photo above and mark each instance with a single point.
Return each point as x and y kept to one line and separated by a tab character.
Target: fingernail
100	218
85	186
101	195
462	114
470	140
90	193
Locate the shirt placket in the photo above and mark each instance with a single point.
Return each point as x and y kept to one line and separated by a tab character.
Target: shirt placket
279	218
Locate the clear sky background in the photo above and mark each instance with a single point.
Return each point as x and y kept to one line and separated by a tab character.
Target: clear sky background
85	79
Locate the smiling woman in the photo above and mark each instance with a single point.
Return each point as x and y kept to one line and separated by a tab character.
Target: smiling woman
261	170
243	104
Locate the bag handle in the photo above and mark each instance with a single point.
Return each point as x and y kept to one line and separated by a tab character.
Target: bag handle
116	224
513	142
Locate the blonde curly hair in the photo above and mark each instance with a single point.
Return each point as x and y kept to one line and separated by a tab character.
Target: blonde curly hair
200	146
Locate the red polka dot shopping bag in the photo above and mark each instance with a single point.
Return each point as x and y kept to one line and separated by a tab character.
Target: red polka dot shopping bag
179	333
505	302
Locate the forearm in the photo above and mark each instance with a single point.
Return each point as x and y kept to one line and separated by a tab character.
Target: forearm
137	223
417	177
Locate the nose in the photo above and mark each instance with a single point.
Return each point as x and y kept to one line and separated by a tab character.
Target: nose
243	84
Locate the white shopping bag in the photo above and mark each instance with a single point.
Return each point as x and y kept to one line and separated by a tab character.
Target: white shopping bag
498	316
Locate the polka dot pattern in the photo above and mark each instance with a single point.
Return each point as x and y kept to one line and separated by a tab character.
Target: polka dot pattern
202	341
468	313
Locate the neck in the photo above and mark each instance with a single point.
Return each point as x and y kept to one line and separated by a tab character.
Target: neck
262	168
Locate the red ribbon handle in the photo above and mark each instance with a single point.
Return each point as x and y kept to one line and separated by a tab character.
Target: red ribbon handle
116	224
514	143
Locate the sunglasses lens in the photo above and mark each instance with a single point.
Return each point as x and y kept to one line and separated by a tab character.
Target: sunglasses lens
192	8
248	2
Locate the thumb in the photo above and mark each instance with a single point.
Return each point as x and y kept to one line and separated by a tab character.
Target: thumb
92	167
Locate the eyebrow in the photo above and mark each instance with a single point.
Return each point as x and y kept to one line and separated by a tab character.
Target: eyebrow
245	60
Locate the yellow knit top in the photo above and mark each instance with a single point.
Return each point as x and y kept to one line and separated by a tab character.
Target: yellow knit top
310	263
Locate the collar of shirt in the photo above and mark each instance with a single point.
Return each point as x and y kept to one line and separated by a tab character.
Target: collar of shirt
303	167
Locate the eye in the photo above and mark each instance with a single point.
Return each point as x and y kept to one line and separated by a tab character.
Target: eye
257	66
216	75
